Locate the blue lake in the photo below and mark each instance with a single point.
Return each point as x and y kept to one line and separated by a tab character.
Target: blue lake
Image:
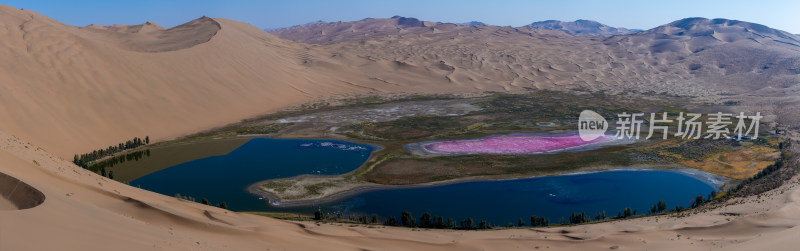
554	197
225	178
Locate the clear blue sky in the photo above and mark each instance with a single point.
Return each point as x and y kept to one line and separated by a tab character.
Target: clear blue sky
642	14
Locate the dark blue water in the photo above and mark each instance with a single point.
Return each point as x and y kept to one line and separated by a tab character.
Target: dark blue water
225	178
554	197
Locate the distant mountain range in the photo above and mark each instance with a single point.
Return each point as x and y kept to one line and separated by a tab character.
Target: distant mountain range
471	23
697	56
325	32
581	27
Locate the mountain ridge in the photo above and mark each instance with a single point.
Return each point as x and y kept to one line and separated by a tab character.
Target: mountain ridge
581	26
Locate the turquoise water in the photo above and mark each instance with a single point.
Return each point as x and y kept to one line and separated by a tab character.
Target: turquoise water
225	178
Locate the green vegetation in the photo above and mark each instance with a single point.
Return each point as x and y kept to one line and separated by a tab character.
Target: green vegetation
407	219
759	177
203	201
86	159
283	216
403	169
700	149
439	222
537	221
578	218
600	216
116	160
662	205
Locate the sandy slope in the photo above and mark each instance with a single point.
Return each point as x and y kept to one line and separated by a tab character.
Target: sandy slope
104	86
72	89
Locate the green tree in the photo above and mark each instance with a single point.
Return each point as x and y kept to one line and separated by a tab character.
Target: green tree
147	140
407	219
468	224
425	221
577	218
662	205
451	223
698	200
204	201
317	214
223	205
392	221
520	222
600	215
539	221
111	175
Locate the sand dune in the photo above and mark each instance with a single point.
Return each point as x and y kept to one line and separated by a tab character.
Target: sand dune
73	89
691	57
333	32
103	86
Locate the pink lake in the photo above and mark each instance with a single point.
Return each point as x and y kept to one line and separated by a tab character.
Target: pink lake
514	144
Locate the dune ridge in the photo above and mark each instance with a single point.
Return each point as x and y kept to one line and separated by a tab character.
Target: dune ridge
100	87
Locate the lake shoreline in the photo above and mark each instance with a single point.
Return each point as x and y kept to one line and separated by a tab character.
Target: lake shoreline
716	181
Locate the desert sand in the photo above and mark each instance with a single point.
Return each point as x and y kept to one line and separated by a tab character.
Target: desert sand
69	90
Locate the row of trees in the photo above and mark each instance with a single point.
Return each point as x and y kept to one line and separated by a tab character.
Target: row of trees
116	160
537	221
427	220
109	174
578	218
625	213
779	163
204	201
658	207
84	160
